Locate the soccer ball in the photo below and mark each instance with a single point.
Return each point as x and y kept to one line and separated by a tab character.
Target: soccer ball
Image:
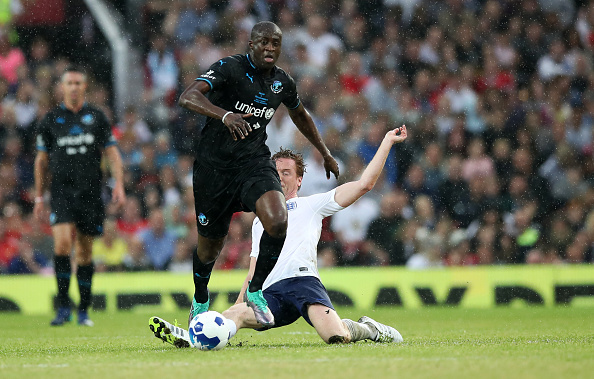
208	331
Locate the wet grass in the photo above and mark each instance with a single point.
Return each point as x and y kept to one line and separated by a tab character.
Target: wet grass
438	343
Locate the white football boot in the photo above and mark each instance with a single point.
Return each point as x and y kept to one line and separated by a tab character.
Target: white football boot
385	333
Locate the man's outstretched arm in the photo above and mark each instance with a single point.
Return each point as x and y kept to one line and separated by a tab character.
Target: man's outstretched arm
193	98
350	192
246	282
306	126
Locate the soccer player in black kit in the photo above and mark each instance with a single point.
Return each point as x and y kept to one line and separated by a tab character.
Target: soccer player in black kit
71	140
233	170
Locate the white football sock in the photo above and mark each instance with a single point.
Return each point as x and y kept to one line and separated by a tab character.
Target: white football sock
359	331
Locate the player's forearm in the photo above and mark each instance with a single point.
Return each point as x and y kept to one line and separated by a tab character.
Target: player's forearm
306	126
374	169
244	287
116	167
195	101
40	174
246	282
350	192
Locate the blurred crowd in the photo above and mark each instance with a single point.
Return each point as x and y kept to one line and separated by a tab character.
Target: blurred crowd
498	97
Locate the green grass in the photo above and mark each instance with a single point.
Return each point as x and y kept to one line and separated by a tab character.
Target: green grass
438	343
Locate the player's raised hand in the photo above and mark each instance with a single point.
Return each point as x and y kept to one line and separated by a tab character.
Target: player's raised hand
331	166
237	125
397	135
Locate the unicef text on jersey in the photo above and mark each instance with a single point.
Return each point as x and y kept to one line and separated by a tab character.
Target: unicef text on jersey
257	112
76	143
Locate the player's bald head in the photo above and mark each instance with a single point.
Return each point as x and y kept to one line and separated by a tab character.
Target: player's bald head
265	27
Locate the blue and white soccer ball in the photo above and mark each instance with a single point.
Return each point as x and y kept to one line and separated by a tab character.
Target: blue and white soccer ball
208	331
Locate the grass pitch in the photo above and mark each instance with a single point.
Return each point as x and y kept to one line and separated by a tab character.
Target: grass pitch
438	343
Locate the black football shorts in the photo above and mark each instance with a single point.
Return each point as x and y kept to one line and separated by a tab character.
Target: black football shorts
85	210
218	193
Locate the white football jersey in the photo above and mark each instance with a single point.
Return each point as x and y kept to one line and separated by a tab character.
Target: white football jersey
299	254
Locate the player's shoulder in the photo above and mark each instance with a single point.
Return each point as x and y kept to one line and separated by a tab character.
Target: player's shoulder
56	114
57	110
92	113
280	73
91	108
318	199
233	61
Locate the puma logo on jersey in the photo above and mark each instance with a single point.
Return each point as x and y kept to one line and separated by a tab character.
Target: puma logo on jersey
251	78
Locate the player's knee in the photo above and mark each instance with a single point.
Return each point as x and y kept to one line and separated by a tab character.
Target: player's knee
337	340
229	313
207	257
208	254
62	247
208	249
277	228
84	259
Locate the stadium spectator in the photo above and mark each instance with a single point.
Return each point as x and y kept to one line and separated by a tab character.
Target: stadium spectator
319	41
135	126
156	243
385	232
110	250
318	181
28	261
11	59
187	18
182	258
40	236
169	186
131	221
350	228
165	155
9	245
236	252
201	53
162	74
458	251
478	162
556	62
429	253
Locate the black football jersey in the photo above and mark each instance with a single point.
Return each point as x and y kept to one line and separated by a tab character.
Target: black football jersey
238	86
75	143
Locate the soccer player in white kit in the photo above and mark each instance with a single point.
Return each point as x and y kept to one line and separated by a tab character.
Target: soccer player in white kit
293	289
